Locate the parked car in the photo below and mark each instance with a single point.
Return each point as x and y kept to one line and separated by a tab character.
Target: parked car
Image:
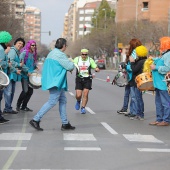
101	64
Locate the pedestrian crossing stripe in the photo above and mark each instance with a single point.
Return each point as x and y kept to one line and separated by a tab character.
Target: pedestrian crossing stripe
79	137
13	148
153	150
15	136
82	149
142	138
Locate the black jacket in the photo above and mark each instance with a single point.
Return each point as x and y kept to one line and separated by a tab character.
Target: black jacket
137	68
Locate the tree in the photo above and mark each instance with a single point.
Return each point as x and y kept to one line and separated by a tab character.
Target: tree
103	16
9	21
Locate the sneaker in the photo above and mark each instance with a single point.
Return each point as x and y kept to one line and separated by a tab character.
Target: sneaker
77	106
67	127
140	118
27	109
17	108
131	115
12	112
136	118
2	121
36	125
83	110
127	114
122	111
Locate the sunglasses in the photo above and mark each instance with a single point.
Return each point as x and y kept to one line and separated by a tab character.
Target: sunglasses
33	45
84	54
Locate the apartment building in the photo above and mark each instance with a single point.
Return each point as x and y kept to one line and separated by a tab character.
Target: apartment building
152	10
65	30
32	26
80	15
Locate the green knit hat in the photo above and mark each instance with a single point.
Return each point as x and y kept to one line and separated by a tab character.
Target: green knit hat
5	37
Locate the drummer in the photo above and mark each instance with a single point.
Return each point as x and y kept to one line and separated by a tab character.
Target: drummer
14	73
28	58
5	38
160	68
137	68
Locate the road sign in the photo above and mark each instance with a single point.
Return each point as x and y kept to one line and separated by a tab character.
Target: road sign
120	45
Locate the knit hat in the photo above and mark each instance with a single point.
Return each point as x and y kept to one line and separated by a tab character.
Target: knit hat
141	51
5	37
164	43
84	50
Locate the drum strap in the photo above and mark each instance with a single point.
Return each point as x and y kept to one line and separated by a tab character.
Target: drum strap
15	51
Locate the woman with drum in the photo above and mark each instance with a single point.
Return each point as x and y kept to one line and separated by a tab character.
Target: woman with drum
129	87
14	73
5	38
28	57
137	68
160	68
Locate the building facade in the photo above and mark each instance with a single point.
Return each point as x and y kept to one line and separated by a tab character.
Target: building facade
32	25
151	10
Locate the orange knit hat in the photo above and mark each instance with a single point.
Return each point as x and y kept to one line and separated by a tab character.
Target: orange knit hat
164	43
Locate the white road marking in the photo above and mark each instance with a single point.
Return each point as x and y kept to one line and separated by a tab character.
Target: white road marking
71	93
153	150
13	148
82	149
141	138
90	111
15	136
112	131
19	144
79	137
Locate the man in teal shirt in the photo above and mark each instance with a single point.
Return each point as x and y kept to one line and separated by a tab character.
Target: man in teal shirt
54	79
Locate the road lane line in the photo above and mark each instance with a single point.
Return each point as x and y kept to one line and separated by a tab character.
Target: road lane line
153	150
71	93
82	149
90	111
13	148
112	131
79	137
19	143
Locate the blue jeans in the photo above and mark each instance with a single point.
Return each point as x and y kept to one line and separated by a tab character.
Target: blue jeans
162	102
140	102
1	94
9	95
55	96
126	99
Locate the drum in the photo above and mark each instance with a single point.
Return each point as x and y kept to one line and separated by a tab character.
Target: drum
144	81
167	79
4	80
120	79
35	80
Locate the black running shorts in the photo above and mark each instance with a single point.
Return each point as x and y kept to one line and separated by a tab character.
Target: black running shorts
83	83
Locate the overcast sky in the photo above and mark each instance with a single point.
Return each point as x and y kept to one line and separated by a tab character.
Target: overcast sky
52	17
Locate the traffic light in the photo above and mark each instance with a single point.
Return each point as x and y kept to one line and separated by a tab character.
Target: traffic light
49	33
120	51
84	28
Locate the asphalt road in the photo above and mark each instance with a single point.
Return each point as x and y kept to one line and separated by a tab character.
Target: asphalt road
102	140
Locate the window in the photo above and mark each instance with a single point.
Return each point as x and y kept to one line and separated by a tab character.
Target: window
81	12
145	5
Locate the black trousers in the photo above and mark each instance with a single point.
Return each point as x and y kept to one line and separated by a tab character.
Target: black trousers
25	95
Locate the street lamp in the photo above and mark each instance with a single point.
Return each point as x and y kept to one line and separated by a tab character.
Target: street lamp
95	17
104	17
136	13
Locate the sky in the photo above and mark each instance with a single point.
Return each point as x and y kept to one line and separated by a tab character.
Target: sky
52	17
